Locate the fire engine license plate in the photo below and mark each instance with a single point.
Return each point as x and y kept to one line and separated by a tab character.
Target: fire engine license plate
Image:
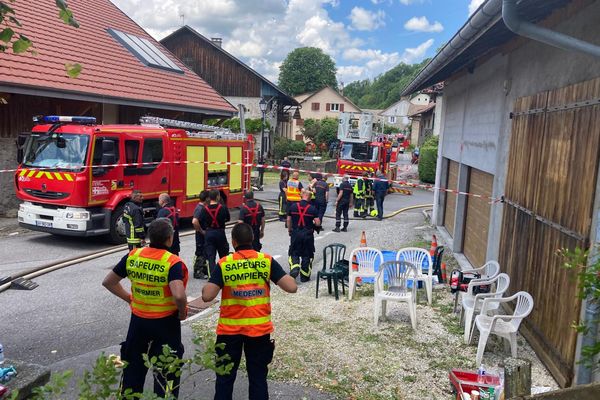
44	224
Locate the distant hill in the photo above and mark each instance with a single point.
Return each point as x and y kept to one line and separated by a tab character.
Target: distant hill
384	90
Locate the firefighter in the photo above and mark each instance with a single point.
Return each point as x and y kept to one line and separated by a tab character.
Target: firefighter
359	196
343	204
369	195
245	319
320	189
168	210
212	221
133	216
286	164
380	187
283	195
294	186
158	303
302	222
253	214
200	262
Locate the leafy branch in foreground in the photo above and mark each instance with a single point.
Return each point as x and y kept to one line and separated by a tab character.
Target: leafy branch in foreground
103	381
588	278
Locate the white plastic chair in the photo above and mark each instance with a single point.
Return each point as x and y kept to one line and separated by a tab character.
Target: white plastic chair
398	274
366	258
505	326
489	270
471	303
417	257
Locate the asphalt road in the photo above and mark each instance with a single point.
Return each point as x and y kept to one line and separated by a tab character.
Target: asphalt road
70	317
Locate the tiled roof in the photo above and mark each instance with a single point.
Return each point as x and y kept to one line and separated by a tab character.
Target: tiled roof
286	98
110	72
414	109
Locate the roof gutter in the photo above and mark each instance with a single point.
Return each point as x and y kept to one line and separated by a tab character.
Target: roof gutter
487	14
513	21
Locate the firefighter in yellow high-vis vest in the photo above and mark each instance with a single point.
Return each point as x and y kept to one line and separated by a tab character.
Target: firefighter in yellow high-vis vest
245	320
158	303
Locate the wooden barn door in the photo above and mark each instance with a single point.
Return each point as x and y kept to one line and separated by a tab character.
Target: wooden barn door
450	206
477	218
549	193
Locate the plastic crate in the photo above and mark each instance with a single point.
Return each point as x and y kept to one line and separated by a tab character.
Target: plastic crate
465	381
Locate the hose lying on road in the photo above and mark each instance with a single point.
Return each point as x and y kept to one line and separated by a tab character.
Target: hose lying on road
393	214
47	268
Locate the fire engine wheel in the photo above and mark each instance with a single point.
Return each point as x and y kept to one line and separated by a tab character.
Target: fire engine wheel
117	227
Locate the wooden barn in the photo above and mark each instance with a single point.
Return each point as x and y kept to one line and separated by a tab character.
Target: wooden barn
521	126
233	79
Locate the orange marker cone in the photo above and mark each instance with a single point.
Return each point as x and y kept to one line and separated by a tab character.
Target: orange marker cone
363	239
433	247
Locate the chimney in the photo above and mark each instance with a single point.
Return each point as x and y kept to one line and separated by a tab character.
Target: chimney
217	41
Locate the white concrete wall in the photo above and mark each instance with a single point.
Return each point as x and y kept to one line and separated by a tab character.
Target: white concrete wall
477	105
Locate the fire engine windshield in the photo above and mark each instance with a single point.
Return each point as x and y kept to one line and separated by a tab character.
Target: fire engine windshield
64	151
359	152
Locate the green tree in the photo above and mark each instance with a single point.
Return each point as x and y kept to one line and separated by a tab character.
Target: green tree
307	69
11	37
328	131
384	90
311	128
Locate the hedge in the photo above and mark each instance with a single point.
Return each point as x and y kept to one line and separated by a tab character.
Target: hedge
428	160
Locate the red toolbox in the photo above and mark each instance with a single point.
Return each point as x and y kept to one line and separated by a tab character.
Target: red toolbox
465	381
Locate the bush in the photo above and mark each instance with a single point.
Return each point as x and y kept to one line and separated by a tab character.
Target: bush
320	131
428	159
285	147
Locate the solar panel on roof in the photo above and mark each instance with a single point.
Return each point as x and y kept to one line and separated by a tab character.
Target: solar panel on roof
145	51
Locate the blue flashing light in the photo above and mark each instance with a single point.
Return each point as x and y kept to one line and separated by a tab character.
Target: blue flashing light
53	119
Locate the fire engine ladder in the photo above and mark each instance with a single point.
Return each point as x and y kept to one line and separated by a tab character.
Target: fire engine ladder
193	129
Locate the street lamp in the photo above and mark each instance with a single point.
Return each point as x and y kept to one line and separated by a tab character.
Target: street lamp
263	108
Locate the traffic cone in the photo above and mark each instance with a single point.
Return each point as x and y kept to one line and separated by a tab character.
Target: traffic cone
433	247
363	239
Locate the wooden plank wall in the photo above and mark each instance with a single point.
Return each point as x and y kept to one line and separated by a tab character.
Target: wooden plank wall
478	217
224	74
450	208
552	171
17	115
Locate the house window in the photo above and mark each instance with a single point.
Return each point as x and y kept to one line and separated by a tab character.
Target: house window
315	106
392	120
334	107
300	122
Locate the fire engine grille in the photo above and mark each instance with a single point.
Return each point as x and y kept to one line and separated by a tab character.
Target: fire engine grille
46	195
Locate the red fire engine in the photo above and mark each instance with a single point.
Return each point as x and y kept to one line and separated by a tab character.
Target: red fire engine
75	176
360	151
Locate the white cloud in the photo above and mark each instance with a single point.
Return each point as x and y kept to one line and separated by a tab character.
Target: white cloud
422	24
416	54
365	20
474	5
351	73
409	2
262	33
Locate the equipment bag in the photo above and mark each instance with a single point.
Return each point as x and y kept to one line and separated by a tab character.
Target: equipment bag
460	282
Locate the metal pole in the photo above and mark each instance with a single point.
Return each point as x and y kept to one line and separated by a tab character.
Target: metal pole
261	171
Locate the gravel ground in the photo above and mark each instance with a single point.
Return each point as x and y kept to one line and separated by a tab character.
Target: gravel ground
333	345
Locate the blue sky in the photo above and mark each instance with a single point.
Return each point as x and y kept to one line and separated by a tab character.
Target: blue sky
364	37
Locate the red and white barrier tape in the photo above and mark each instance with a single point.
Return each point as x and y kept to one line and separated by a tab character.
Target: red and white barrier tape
493	200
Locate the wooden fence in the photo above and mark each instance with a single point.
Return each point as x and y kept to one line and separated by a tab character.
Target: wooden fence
550	191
